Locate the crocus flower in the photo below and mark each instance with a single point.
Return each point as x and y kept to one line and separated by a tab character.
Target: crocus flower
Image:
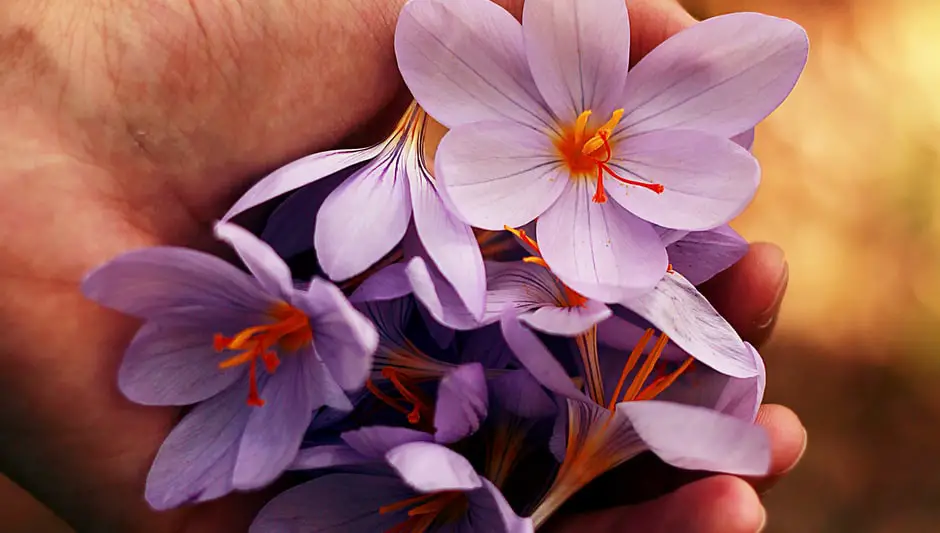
545	122
384	188
700	255
690	416
212	335
424	488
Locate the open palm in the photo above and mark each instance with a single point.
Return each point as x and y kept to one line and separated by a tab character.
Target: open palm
131	124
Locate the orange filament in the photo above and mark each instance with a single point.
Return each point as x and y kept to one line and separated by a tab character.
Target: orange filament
582	154
524	237
290	332
636	391
422	410
433	509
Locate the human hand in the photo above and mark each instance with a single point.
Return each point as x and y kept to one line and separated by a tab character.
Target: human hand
135	124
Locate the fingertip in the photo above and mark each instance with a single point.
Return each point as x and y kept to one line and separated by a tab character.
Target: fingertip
725	503
788	440
654	21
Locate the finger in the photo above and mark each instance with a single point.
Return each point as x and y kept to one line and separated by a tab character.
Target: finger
719	504
749	294
787	443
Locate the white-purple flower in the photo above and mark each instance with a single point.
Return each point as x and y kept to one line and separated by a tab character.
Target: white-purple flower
689	415
214	335
417	487
386	187
546	123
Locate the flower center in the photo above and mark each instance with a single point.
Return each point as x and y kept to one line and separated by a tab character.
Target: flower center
290	332
421	412
588	154
435	509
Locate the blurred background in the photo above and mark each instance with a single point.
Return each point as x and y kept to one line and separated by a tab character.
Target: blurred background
851	191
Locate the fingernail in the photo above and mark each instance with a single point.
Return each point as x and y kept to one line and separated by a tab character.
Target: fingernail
763	521
765	320
799	456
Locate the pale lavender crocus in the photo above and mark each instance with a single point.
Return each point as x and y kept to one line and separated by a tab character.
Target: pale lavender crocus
214	335
545	122
386	187
700	255
419	487
689	415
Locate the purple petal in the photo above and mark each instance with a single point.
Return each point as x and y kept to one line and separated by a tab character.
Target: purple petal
441	334
696	438
708	179
376	441
497	174
461	403
670	236
195	462
448	241
490	512
344	338
741	398
677	309
299	173
746	139
154	281
275	430
600	250
536	358
336	503
567	321
700	255
173	366
265	265
289	229
723	76
438	297
578	53
389	283
519	393
519	286
464	62
429	467
365	217
328	456
487	347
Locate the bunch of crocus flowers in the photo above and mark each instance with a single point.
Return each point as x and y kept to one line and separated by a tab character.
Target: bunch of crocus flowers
478	339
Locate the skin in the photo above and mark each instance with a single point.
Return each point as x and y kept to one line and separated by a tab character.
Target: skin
130	124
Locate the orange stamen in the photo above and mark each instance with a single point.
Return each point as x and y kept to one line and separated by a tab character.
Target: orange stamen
631	362
524	237
422	410
663	383
430	509
646	369
536	261
289	332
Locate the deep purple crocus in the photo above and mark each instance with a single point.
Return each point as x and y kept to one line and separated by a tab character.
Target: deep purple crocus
387	186
546	123
419	487
687	414
214	335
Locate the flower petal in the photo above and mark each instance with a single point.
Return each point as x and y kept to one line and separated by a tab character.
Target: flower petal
495	174
708	179
600	250
677	309
723	76
578	53
265	265
536	358
388	283
464	61
485	346
344	338
700	255
376	441
696	438
154	281
741	398
173	366
365	217
429	467
289	229
438	297
328	456
520	286
745	140
461	403
335	503
566	321
449	242
275	430
519	393
194	463
489	511
299	173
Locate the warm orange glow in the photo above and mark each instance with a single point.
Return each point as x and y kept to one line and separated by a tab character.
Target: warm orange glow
290	332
